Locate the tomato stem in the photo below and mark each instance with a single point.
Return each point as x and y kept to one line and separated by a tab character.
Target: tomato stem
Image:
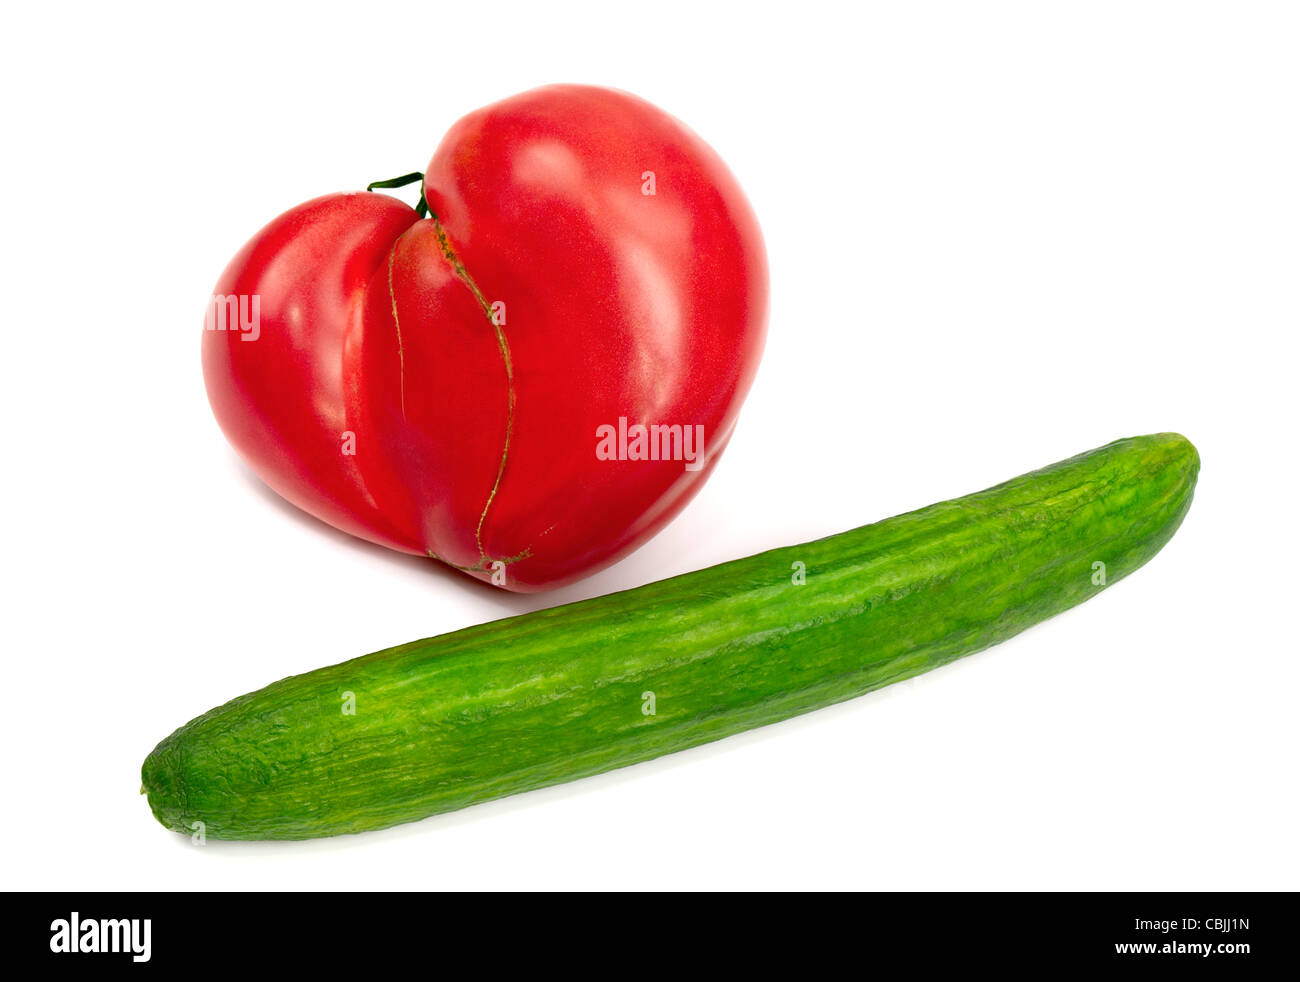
422	206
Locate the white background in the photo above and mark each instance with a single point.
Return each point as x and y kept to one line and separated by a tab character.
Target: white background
999	234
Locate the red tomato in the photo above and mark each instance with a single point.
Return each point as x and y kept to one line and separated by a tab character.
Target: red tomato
538	377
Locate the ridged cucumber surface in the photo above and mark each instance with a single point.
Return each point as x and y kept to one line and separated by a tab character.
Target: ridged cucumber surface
559	694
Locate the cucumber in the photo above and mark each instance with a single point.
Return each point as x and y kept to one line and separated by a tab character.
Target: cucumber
559	694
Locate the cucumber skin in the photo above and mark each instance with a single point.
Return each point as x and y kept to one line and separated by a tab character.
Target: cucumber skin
554	695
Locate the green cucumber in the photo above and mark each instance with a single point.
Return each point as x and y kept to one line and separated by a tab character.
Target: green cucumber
560	694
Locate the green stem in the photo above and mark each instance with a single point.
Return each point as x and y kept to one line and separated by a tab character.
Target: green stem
422	206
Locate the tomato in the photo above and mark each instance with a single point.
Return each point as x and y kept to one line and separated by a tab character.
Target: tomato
540	375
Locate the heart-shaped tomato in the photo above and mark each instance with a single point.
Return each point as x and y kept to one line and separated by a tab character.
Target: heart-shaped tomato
537	377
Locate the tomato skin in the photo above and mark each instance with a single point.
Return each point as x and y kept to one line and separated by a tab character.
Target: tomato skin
286	398
617	303
589	260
